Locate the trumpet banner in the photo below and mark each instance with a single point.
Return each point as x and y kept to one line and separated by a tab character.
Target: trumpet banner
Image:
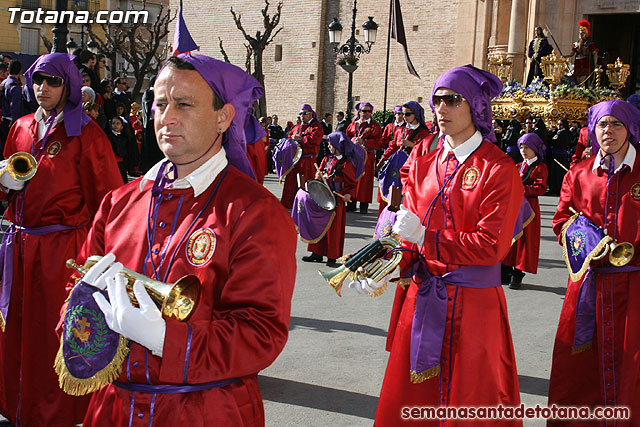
582	241
90	354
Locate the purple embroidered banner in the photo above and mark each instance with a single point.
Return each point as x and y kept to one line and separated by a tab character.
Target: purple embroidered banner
90	354
525	216
390	174
311	220
385	223
582	240
285	156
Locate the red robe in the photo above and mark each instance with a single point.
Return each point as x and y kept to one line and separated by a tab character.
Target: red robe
478	364
583	141
525	251
257	155
419	150
416	135
242	320
311	135
73	175
371	135
609	373
389	133
344	182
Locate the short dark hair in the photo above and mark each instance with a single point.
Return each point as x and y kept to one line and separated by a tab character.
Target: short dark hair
85	56
327	115
120	104
3	66
340	113
5	56
15	67
181	64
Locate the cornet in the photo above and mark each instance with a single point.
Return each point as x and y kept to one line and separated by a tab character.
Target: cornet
20	166
620	254
177	301
365	263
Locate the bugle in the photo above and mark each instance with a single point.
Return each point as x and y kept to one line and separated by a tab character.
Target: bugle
177	301
366	263
20	166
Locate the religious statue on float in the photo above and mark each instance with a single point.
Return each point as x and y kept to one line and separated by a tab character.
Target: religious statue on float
585	53
539	47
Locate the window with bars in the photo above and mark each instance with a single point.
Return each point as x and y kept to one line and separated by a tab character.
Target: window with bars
30	41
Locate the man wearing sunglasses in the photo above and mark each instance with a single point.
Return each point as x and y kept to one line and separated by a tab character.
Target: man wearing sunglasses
449	335
50	217
366	132
389	132
308	134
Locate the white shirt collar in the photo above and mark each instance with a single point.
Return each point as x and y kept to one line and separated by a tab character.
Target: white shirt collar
117	92
629	160
338	157
42	124
531	161
464	150
199	179
363	121
399	123
412	127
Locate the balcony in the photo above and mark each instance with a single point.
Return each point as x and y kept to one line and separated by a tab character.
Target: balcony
91	5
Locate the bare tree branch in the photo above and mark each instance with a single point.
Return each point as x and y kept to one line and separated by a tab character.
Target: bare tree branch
223	52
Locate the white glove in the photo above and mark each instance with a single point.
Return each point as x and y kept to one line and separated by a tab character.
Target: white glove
366	286
7	181
143	325
408	226
97	276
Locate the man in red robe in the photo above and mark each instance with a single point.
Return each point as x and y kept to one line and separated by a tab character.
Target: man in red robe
309	135
50	216
524	253
451	342
366	132
197	212
595	356
389	131
413	133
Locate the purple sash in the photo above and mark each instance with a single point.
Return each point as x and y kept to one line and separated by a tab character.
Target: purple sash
6	261
586	306
385	223
285	156
582	240
525	216
172	389
429	319
311	220
390	174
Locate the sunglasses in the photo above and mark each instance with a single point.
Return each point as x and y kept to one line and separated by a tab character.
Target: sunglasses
408	114
53	81
304	113
365	111
450	99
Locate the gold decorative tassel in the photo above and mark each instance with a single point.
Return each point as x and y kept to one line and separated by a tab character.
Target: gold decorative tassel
2	322
81	386
418	377
583	347
405	282
379	291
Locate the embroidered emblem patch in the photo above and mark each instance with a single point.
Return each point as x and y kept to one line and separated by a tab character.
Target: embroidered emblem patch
301	206
53	149
576	243
86	331
635	191
387	228
470	178
201	246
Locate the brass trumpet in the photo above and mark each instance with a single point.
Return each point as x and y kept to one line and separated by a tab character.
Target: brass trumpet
177	301
620	254
365	263
20	166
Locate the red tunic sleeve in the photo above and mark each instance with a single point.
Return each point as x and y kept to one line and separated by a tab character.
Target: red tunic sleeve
311	138
349	184
537	183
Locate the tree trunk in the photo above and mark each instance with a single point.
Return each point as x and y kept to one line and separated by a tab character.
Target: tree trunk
257	62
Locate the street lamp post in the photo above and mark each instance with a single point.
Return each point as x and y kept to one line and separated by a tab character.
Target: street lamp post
352	48
60	29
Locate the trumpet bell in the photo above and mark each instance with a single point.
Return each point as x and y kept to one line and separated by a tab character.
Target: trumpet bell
177	301
21	166
621	254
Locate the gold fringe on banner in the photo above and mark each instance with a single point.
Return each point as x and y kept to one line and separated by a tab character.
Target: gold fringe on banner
81	386
418	377
583	347
314	241
379	291
576	277
2	322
